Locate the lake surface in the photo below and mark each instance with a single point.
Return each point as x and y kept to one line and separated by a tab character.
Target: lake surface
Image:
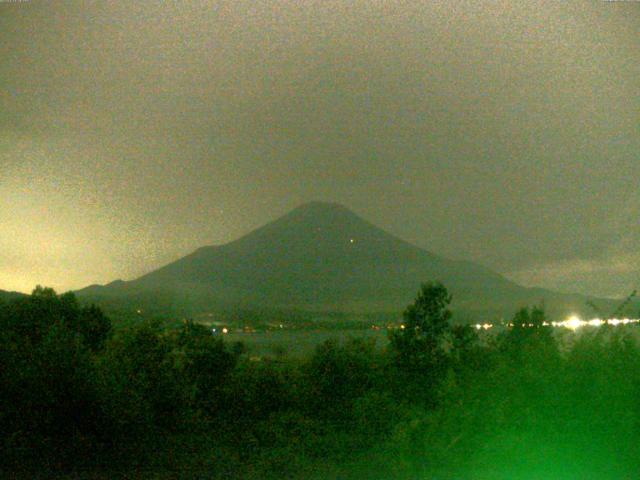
298	343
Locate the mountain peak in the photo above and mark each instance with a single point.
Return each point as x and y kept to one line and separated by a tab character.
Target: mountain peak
310	221
321	205
318	208
309	218
318	256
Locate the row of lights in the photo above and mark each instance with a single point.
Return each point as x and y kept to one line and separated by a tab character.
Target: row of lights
572	323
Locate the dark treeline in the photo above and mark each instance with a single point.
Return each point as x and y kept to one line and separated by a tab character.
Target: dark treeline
83	398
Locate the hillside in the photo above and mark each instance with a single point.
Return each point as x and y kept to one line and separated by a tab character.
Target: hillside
8	296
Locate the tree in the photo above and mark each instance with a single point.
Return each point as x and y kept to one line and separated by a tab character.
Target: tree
419	345
530	339
30	318
49	407
464	346
529	325
141	387
339	374
94	326
205	362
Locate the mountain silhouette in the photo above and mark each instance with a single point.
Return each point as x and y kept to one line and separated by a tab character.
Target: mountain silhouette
6	296
322	257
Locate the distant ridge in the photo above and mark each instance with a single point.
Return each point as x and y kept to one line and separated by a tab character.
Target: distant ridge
6	296
323	257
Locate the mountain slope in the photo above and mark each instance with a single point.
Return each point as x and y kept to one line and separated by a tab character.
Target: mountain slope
322	257
9	296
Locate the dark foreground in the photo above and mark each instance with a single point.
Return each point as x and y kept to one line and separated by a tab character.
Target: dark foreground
80	398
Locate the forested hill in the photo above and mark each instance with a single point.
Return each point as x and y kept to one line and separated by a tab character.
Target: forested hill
7	296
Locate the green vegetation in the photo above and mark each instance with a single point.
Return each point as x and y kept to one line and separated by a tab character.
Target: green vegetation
81	398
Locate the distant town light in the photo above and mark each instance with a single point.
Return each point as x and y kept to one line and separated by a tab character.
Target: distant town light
484	326
573	322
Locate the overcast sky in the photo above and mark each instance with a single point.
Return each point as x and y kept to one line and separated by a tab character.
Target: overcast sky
503	132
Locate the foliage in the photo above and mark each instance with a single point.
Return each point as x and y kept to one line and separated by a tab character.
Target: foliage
419	346
78	399
419	343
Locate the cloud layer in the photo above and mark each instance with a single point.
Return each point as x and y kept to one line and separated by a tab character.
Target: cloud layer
501	132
